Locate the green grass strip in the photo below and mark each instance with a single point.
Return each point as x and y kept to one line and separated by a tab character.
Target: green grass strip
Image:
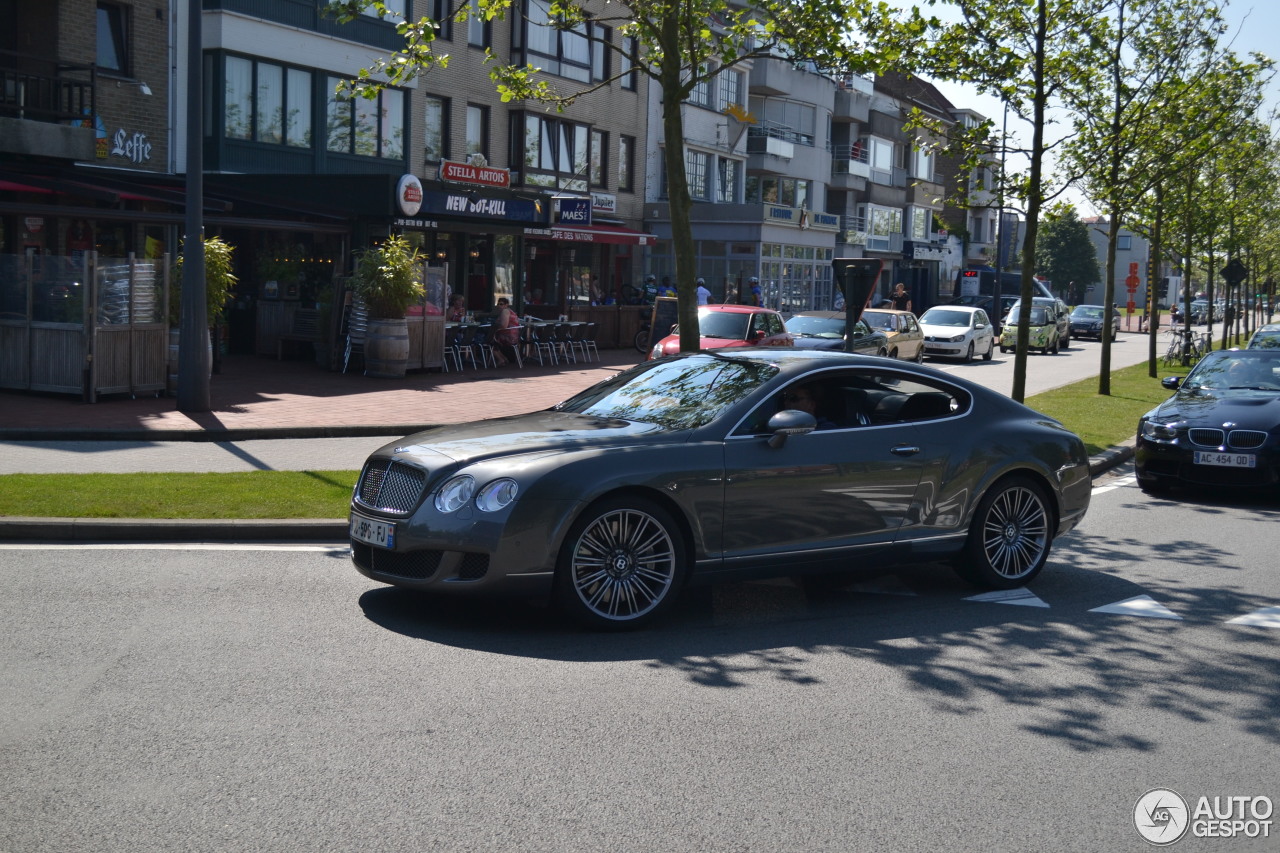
242	494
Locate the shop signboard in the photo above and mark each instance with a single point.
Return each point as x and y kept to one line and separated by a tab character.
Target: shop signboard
472	173
571	211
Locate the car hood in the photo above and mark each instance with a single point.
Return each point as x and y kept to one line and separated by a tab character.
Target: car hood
1247	409
517	435
944	331
671	344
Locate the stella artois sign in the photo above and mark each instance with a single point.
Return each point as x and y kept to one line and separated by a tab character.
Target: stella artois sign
474	173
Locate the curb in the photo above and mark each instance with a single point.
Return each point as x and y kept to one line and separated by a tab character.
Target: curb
87	530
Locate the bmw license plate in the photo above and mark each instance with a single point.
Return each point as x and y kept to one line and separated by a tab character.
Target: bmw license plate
373	532
1225	460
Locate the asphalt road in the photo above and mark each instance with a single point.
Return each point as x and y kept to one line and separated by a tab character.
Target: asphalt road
244	698
347	454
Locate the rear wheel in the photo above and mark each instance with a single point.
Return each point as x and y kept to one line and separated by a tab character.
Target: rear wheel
991	351
621	565
1010	536
920	354
893	353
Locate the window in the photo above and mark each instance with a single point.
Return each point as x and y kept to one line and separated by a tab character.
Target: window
599	158
363	126
727	185
441	13
477	130
564	52
265	102
395	10
477	27
920	217
113	38
238	98
1124	242
297	131
626	165
696	167
921	164
700	95
555	153
601	37
786	191
437	127
628	61
730	89
793	121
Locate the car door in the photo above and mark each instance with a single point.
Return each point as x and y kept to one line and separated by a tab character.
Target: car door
826	495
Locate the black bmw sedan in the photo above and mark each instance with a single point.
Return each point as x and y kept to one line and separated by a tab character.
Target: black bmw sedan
722	465
1220	428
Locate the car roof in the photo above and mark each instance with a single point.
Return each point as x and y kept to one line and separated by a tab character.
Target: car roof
969	308
736	309
888	311
824	315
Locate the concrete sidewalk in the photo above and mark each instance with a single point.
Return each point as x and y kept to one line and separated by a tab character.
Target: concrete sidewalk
254	397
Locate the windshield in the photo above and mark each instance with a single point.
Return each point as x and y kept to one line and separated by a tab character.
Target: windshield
1038	317
816	327
1239	369
879	320
946	317
1087	312
723	324
675	393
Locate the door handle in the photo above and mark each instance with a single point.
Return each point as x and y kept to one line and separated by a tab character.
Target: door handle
904	450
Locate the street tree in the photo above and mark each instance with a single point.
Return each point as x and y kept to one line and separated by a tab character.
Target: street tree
679	46
1028	53
1156	51
1066	254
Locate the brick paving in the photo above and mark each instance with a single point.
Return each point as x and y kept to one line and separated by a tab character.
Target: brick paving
253	395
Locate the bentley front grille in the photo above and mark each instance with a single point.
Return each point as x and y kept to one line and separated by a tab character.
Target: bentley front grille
391	486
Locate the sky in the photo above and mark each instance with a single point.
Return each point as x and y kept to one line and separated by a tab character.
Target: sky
1255	26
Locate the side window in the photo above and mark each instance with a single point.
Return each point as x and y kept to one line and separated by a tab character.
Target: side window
775	325
861	399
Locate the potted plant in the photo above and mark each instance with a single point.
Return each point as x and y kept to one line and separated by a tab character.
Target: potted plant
387	280
218	281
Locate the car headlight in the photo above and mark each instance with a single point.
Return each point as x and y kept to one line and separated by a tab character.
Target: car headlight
656	352
496	495
957	339
454	494
1158	431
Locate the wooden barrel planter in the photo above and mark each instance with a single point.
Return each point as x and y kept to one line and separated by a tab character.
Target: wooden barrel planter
386	348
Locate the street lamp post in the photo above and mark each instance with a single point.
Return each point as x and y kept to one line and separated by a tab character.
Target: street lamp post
193	350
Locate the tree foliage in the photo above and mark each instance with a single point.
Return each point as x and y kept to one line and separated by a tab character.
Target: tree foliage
1066	253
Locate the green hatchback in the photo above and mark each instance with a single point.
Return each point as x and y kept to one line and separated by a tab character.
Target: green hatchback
1043	333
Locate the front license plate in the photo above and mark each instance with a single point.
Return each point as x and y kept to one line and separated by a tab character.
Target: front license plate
373	532
1225	460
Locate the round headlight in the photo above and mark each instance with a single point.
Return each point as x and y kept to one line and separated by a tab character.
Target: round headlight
496	495
454	494
656	352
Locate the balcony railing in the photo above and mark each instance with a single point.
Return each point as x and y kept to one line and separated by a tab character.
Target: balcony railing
40	89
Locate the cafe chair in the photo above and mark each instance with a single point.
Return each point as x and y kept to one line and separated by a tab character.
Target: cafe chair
541	341
357	329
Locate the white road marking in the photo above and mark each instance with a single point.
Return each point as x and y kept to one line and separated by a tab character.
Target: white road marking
1267	617
1023	597
1117	483
1141	605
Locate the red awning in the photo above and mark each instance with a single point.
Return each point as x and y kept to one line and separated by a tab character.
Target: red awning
594	234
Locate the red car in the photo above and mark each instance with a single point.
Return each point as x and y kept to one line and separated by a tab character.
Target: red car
722	326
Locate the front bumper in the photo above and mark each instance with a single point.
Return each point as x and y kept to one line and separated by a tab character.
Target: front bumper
1172	462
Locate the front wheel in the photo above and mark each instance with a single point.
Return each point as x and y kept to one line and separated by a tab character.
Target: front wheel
968	356
642	340
893	353
1010	536
621	565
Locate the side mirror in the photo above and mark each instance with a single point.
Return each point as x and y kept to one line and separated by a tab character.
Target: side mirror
1171	382
789	422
